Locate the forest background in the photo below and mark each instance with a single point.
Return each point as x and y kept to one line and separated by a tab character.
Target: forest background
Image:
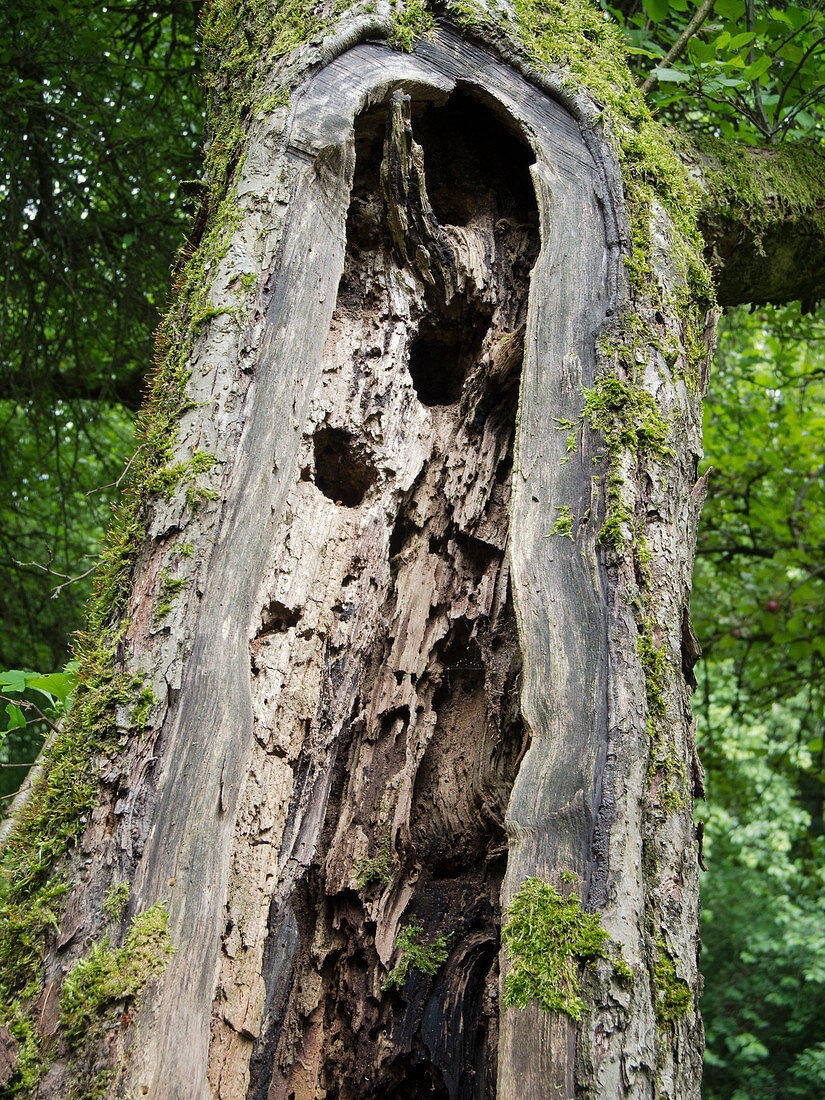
101	150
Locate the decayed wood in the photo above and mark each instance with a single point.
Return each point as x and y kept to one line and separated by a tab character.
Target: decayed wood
403	727
393	691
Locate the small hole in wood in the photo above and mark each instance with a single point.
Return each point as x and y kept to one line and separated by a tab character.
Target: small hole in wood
277	618
342	472
436	371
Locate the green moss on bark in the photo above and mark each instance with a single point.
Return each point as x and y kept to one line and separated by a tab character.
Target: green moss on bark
547	938
673	995
757	188
109	976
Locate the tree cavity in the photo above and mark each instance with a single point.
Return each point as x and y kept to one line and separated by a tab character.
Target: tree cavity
414	736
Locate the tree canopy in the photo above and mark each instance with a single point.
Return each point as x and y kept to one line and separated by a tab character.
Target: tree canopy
100	146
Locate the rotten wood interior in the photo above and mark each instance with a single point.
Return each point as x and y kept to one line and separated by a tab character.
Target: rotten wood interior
385	674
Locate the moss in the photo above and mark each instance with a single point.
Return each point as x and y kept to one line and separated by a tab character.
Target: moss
379	867
673	996
547	937
629	420
164	480
33	894
197	494
139	717
168	589
110	975
424	957
115	900
582	39
758	188
237	38
663	759
564	524
628	417
410	23
623	971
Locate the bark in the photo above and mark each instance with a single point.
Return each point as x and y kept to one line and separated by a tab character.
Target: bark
401	673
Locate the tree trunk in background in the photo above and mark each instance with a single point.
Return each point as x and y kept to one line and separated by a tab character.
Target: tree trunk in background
397	670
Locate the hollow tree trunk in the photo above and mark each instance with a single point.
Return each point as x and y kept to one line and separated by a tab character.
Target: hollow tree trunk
399	668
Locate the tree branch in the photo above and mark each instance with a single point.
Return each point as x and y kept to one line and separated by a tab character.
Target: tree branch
679	46
763	219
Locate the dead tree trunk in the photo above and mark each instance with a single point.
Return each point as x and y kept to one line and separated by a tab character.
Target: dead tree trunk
411	603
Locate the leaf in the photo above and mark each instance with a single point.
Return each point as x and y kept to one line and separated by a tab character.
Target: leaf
644	53
671	75
57	684
17	720
13	680
740	40
722	82
701	51
657	9
758	68
730	9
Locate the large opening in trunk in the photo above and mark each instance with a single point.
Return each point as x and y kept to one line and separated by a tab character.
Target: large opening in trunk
412	848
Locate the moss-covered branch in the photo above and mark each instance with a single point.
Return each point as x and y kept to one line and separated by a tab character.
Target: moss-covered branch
763	219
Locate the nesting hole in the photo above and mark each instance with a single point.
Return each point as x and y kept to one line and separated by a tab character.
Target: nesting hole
436	372
471	155
443	353
342	471
277	618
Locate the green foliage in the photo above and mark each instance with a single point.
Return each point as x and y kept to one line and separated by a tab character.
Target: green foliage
752	77
414	955
758	606
763	909
103	121
765	516
49	462
31	705
34	699
110	975
378	868
547	937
